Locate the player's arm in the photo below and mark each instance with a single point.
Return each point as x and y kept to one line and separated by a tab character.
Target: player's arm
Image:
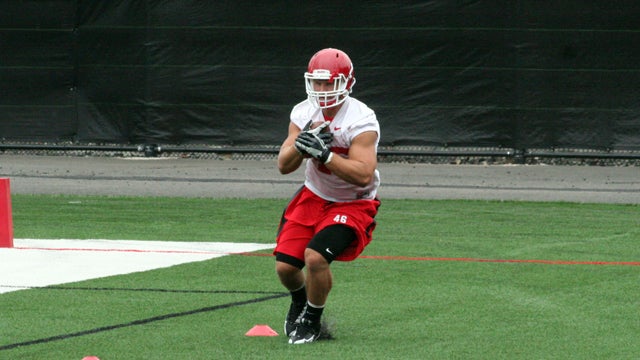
359	167
289	159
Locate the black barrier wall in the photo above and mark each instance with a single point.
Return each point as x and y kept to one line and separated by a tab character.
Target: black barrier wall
515	74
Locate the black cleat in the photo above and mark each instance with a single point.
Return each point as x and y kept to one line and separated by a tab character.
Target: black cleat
305	332
293	318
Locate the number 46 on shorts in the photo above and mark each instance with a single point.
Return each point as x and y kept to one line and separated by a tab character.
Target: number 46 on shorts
340	219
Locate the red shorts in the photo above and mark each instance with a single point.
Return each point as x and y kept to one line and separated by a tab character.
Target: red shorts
307	214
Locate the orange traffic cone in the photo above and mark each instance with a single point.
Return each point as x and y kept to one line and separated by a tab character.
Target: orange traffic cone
261	330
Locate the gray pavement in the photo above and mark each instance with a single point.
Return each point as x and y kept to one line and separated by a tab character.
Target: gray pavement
166	176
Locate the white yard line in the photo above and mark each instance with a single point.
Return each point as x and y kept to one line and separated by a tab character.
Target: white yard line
34	263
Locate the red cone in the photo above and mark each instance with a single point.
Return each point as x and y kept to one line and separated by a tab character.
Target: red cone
261	330
6	223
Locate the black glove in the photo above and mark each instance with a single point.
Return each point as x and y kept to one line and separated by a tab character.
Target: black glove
325	136
308	143
314	142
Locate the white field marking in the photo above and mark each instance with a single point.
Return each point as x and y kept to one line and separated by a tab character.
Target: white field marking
35	263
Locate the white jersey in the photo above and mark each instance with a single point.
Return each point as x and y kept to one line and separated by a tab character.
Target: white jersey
353	118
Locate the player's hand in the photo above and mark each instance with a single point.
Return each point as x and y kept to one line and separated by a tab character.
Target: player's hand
325	136
308	126
310	143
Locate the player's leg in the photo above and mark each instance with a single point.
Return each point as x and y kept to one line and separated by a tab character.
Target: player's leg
289	271
325	246
292	277
291	242
321	251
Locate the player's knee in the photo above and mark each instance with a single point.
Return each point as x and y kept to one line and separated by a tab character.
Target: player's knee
283	269
286	270
314	260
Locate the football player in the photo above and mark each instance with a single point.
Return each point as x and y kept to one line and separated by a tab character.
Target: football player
332	216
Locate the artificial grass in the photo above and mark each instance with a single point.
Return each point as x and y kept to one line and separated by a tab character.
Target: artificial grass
391	304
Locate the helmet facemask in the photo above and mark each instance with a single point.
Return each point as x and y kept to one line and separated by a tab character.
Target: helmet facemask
325	99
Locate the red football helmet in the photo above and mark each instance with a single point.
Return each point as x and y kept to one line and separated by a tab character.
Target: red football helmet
336	67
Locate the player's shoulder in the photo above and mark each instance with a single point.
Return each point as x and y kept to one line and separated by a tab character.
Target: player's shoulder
359	112
303	112
302	109
359	118
359	107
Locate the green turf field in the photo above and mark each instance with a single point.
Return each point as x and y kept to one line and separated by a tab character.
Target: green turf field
441	280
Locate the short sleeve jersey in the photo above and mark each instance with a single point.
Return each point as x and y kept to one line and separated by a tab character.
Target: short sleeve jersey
352	119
